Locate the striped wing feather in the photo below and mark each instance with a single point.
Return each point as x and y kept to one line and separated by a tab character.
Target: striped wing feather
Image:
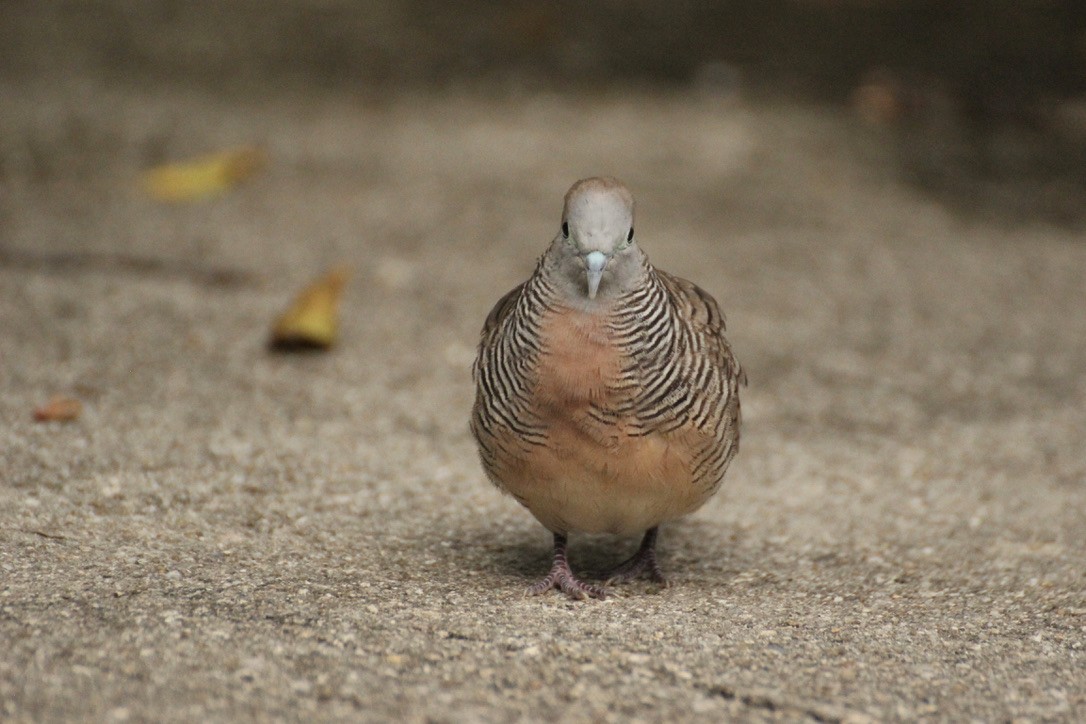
706	319
494	320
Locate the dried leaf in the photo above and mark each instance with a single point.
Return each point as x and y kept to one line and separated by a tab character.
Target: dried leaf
59	409
312	320
879	99
203	176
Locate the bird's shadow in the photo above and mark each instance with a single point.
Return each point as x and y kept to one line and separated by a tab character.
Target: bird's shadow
531	555
528	552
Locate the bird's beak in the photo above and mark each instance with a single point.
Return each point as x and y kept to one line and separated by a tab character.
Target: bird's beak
594	263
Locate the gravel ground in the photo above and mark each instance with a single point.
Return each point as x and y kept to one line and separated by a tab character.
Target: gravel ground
225	534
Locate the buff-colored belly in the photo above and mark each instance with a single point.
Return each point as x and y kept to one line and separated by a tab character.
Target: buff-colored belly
577	485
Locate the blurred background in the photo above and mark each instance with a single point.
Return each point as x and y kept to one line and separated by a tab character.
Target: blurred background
885	196
983	101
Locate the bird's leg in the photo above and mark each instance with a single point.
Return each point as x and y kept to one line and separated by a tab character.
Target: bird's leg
644	561
562	578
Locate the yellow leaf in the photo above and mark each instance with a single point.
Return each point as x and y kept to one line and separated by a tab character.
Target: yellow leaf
312	320
203	176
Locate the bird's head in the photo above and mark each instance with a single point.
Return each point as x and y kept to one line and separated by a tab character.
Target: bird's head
595	250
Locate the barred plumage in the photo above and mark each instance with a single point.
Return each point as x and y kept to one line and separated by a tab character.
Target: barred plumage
607	395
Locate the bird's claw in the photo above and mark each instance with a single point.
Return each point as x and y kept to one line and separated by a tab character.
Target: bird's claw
562	579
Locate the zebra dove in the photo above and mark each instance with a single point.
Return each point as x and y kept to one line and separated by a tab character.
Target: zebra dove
607	398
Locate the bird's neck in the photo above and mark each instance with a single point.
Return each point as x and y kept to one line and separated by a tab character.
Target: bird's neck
565	284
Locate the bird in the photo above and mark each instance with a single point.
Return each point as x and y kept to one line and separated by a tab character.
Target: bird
607	396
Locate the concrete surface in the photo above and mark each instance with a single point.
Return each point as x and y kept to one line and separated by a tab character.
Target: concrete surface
230	535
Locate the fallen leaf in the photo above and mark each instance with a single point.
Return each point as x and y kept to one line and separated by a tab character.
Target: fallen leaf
879	99
59	409
312	320
203	176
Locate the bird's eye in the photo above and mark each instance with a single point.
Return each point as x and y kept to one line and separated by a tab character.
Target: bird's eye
629	237
565	229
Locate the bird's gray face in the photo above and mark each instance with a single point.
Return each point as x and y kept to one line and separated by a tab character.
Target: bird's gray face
597	233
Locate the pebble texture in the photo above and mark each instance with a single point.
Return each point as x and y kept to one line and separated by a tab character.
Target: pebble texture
226	534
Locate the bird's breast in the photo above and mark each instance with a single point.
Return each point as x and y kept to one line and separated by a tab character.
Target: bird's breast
577	368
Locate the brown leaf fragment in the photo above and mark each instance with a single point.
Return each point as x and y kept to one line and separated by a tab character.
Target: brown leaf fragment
59	409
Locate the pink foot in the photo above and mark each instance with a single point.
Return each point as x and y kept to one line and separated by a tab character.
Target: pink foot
562	578
644	561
